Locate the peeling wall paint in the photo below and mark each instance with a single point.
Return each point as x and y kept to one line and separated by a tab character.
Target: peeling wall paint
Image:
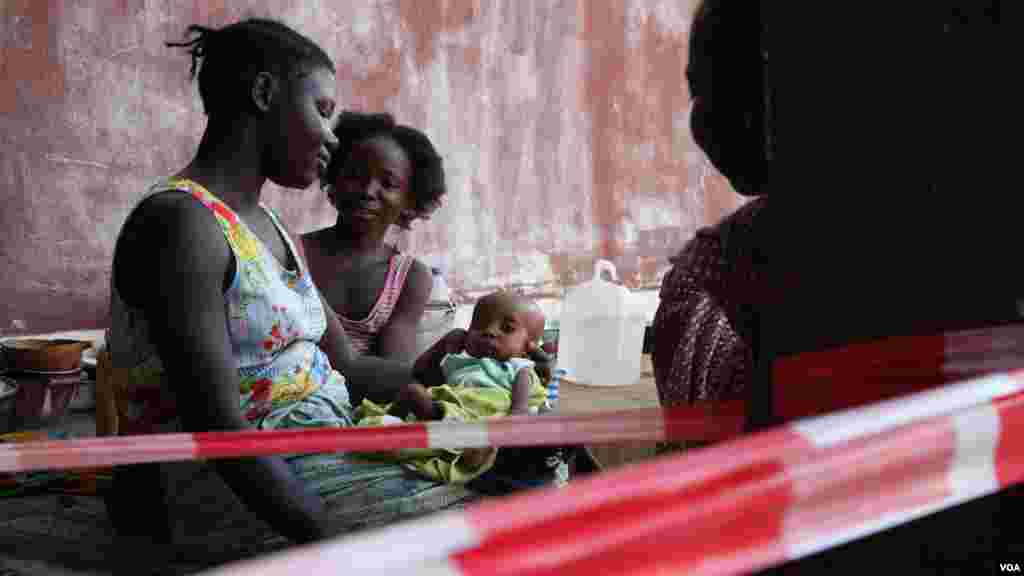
563	124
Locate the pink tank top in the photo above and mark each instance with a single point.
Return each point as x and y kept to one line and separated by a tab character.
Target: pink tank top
363	333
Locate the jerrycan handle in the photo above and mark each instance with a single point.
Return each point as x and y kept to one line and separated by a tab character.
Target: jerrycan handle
605	266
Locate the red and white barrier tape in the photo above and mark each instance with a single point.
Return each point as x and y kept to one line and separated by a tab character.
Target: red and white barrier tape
805	385
706	422
733	508
821	382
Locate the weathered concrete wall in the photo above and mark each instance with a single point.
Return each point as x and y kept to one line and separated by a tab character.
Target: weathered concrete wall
562	122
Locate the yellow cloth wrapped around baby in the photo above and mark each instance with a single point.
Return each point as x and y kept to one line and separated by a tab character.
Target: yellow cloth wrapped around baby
478	395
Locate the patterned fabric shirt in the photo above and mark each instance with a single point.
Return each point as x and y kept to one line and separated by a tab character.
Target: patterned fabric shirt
703	325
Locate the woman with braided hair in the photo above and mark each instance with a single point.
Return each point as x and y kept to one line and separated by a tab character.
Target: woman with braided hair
216	322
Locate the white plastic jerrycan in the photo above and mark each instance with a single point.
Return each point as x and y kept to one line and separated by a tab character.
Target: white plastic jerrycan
601	332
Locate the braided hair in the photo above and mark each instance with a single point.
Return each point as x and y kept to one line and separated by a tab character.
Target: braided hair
227	60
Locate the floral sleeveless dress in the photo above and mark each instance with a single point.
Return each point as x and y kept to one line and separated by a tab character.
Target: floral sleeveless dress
275	322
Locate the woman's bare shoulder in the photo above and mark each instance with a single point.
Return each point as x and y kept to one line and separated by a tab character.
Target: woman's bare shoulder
168	233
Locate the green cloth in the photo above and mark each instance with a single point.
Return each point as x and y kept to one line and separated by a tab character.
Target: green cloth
463	370
358	493
478	397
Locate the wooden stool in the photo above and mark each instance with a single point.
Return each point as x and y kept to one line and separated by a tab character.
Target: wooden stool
106	396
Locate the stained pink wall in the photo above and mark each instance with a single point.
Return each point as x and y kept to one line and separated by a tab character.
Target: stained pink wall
562	123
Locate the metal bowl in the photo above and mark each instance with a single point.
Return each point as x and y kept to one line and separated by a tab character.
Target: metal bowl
43	356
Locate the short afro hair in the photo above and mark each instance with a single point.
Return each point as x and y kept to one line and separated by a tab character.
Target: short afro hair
427	184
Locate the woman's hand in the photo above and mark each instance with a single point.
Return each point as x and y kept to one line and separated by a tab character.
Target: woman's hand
544	365
472	341
454	341
427	368
416	398
479	345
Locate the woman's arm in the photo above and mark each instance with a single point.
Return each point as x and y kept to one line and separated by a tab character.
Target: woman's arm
397	339
521	392
184	305
427	367
377	379
543	365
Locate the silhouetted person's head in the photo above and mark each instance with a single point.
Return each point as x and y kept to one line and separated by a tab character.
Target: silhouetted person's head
726	75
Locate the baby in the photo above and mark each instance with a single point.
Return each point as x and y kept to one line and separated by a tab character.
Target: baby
470	376
506	330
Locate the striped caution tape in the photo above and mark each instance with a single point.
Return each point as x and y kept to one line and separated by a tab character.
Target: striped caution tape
703	422
817	383
737	507
806	385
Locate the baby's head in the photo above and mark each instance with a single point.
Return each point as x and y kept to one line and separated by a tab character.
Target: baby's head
514	323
